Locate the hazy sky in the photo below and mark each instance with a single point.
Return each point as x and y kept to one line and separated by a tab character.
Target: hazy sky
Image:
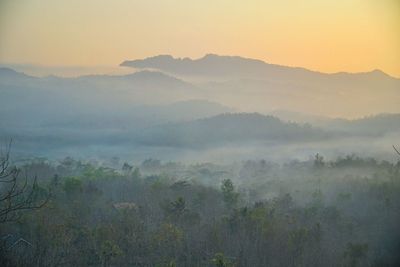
324	35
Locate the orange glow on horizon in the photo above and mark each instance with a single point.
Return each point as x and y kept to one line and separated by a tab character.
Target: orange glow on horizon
327	36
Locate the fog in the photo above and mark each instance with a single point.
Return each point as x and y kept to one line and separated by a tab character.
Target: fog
218	161
177	105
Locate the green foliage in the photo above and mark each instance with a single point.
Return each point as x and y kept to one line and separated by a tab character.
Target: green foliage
178	206
219	260
298	239
100	217
355	253
72	185
169	233
136	173
109	251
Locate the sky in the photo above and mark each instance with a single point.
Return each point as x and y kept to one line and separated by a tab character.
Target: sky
322	35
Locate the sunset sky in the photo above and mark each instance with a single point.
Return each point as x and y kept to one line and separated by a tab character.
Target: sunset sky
323	35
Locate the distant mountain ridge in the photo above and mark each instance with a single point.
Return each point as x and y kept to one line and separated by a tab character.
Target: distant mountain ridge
254	85
228	128
374	125
247	85
9	76
212	64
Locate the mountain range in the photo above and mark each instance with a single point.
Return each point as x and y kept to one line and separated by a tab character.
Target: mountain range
212	102
254	85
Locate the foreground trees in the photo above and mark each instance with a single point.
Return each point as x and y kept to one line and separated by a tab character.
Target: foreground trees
292	215
17	193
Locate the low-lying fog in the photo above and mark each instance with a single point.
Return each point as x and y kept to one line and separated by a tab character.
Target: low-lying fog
200	110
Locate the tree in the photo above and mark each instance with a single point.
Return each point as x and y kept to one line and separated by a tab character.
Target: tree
126	168
228	190
397	151
109	251
15	193
176	208
219	260
355	253
319	161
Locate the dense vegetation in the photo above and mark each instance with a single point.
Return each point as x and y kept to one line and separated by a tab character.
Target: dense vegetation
254	213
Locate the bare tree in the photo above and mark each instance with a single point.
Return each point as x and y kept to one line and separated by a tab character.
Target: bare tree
16	194
395	149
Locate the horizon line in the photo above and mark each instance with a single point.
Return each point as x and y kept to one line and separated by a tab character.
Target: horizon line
72	66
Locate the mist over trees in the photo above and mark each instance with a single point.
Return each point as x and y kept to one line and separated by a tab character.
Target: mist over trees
150	113
218	161
255	213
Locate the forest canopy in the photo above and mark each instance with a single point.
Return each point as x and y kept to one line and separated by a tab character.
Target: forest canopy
255	213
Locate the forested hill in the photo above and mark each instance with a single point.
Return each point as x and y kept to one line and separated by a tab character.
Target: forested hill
373	125
379	124
230	128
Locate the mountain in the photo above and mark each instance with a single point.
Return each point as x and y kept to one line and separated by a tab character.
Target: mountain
143	79
376	125
136	80
141	99
141	116
231	66
212	65
230	128
247	85
253	85
153	112
10	76
10	73
101	92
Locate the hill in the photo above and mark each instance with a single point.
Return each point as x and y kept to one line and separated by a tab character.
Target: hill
232	128
254	85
